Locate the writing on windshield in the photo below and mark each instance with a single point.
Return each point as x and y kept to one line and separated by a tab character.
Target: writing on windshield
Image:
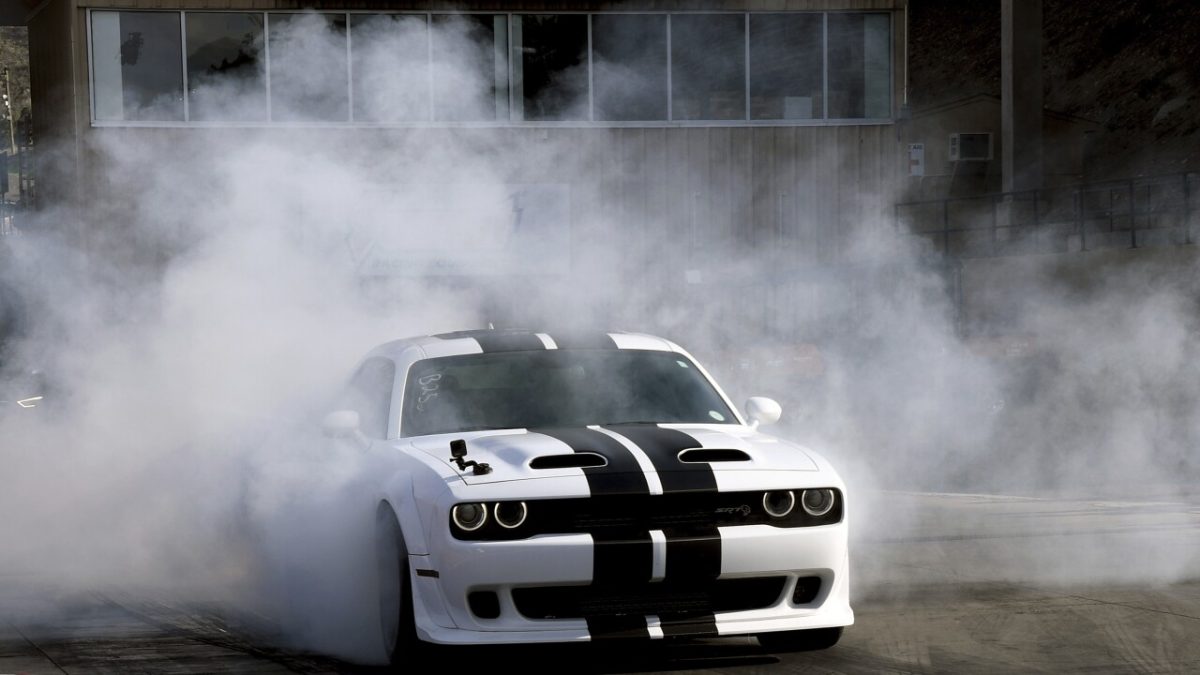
557	388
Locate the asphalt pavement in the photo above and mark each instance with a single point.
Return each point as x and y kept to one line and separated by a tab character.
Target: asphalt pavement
942	583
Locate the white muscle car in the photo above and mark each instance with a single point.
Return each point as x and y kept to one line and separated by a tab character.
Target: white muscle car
563	487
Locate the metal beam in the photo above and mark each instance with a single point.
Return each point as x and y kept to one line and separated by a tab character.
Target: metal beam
13	13
1021	94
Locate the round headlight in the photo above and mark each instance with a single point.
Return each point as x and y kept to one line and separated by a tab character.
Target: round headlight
510	515
817	502
469	517
779	504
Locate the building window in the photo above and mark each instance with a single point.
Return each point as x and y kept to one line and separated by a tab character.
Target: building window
308	67
137	66
470	67
708	67
629	66
787	66
389	67
550	77
225	69
859	66
403	68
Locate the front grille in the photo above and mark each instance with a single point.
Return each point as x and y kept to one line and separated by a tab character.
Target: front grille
721	595
616	516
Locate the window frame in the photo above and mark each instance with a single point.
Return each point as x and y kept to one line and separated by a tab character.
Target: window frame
511	122
388	416
266	91
400	402
90	54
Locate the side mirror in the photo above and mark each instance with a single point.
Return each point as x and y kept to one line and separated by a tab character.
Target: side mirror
761	411
341	424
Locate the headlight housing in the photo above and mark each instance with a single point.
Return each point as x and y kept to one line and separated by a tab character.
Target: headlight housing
682	512
488	520
817	503
510	515
469	517
779	503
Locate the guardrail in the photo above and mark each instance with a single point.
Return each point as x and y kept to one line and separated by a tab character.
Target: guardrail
1131	213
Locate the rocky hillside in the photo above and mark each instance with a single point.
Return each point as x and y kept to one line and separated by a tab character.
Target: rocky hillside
1132	65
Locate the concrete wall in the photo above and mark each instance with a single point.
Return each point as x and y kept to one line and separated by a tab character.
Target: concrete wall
1065	140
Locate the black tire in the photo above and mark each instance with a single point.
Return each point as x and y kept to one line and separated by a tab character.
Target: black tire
800	640
396	625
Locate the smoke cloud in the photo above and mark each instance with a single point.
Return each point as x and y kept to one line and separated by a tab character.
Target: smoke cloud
200	316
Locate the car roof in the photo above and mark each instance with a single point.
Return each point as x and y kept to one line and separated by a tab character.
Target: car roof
508	340
405	352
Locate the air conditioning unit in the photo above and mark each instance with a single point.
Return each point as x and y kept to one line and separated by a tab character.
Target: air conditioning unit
970	147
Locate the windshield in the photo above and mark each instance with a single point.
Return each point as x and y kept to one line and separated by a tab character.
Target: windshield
557	388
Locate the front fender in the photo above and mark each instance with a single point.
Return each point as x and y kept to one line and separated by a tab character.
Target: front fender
412	488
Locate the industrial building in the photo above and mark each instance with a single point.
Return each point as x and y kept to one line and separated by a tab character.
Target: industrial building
766	124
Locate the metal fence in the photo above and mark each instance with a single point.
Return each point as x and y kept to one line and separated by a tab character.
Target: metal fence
16	189
8	216
1133	213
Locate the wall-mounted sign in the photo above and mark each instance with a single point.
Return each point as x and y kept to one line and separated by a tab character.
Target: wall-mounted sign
916	159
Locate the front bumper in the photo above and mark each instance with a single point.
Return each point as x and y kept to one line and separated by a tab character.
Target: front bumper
445	579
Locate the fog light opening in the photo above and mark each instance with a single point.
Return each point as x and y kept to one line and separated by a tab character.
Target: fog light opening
806	591
484	604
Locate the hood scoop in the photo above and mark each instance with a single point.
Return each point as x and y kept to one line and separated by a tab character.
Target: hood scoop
575	460
705	455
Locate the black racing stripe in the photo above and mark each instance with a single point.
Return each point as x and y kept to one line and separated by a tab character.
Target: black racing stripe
694	556
622	559
584	341
699	624
622	476
617	558
663	446
497	341
618	627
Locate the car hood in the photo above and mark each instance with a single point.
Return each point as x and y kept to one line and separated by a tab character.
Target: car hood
658	449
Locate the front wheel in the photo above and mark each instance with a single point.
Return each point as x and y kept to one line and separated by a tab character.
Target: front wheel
800	640
396	625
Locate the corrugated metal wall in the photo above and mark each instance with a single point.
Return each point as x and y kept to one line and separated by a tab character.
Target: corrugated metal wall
794	196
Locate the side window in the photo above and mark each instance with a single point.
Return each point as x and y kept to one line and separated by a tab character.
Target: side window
370	395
